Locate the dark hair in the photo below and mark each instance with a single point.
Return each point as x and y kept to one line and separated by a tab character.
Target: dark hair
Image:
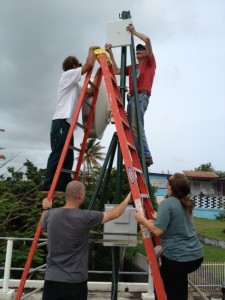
70	62
180	187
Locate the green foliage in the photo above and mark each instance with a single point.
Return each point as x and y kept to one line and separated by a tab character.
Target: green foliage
205	167
20	202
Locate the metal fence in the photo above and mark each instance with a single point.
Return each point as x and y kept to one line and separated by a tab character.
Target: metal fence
210	276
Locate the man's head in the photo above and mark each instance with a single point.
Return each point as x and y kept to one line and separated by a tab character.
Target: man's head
70	62
141	52
140	47
75	192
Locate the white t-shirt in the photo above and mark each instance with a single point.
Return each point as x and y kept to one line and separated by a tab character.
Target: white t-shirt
68	94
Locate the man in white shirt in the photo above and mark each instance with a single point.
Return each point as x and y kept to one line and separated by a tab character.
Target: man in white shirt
68	94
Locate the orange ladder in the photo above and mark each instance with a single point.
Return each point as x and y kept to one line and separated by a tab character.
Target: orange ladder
132	164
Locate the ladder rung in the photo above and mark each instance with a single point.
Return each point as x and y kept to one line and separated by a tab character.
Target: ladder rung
125	122
87	103
67	171
144	195
74	148
93	85
81	126
158	250
131	146
119	101
137	170
113	80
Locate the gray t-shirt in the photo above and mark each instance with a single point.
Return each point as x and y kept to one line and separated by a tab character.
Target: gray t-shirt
68	233
179	241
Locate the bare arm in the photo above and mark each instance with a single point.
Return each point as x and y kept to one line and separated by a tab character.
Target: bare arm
148	223
108	48
142	37
117	210
45	204
91	89
90	60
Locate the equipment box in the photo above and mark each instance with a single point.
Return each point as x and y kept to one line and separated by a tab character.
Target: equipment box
121	231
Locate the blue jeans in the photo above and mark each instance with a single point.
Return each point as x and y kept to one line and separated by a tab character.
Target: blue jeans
59	131
131	112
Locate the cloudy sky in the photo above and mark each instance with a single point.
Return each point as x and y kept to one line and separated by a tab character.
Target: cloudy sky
185	120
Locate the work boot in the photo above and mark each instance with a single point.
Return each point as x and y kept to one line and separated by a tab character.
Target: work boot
148	161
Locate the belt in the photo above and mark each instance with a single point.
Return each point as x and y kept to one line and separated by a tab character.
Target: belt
142	92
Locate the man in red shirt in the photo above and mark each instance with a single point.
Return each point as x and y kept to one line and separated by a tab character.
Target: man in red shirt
145	72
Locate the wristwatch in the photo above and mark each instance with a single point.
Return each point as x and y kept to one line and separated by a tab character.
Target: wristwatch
46	208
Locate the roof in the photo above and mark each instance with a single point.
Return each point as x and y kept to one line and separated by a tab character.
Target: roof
201	174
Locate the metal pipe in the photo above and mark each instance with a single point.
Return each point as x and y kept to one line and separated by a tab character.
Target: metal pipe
198	290
8	260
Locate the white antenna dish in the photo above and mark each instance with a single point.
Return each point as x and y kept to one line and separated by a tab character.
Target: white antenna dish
102	113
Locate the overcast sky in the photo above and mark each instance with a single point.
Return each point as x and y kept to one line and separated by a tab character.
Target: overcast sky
185	120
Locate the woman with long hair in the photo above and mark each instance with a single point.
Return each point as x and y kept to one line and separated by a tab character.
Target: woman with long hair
182	250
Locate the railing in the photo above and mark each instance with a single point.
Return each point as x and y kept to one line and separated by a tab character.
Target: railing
209	277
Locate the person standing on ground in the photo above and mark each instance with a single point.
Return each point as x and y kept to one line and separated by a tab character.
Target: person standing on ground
68	232
145	72
182	250
68	94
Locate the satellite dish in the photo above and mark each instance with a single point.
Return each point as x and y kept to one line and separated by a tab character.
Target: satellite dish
102	113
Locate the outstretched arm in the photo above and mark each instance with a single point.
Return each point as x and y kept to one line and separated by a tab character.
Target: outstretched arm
108	48
142	37
90	60
117	211
148	223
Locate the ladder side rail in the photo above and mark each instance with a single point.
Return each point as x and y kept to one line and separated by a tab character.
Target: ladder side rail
119	126
132	178
69	135
53	185
88	126
28	262
150	252
118	122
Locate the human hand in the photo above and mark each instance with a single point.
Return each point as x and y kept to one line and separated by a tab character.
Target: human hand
154	215
131	28
46	203
139	217
108	47
92	48
129	198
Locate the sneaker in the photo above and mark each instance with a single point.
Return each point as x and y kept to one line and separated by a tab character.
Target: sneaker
148	161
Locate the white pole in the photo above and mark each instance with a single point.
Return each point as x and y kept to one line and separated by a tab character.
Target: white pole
5	287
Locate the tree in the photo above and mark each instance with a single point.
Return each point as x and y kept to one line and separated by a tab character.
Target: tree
209	168
92	155
20	202
205	167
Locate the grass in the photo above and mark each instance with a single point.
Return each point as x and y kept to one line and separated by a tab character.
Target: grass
210	228
214	229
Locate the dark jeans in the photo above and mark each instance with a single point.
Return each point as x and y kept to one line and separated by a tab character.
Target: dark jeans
59	131
175	277
54	290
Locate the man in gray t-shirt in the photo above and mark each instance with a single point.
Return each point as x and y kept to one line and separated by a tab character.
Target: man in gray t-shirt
68	232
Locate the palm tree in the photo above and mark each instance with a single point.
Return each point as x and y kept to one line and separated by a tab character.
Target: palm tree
92	155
